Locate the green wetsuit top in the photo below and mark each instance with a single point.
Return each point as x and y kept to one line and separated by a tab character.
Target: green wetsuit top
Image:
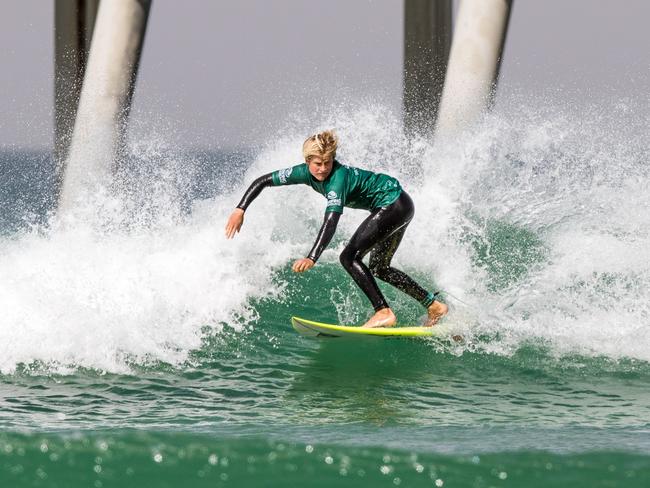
345	186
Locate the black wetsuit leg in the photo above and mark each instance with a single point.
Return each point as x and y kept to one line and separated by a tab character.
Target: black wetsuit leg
379	265
382	230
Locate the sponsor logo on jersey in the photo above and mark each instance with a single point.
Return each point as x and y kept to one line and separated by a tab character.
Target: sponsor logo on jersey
284	174
333	199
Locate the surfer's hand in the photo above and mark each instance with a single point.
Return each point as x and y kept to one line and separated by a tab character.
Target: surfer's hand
302	265
235	222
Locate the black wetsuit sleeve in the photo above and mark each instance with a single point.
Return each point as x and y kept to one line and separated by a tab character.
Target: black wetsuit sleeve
255	189
325	235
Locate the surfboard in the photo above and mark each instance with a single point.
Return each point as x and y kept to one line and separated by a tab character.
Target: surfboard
318	329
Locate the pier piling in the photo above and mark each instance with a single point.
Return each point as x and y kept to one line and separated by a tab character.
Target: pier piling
104	103
427	38
74	21
474	62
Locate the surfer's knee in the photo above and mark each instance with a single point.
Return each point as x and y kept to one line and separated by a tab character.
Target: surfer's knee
347	257
378	270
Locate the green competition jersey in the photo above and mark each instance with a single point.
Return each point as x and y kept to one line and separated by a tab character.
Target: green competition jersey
345	186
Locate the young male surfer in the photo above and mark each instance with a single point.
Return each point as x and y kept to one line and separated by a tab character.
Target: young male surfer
391	210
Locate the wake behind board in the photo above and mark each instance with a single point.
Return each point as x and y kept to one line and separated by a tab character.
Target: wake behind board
318	329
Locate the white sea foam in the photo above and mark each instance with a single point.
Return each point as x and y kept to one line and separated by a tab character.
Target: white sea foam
135	277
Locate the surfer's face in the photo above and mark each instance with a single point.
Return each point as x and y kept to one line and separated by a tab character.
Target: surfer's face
320	168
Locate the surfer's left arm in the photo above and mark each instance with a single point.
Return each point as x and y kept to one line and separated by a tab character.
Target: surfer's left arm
324	237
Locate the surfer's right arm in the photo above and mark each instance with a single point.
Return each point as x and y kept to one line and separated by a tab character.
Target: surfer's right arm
236	218
289	176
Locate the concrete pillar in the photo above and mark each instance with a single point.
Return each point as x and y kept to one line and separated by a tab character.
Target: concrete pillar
474	62
105	100
73	27
427	38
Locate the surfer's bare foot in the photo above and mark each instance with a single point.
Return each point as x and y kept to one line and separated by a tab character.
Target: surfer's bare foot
435	311
382	318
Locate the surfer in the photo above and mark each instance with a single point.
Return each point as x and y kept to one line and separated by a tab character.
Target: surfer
391	210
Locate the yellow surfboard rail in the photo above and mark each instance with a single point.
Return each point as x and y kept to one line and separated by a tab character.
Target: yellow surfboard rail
320	329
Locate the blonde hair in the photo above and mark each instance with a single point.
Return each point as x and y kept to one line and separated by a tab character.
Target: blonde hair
323	145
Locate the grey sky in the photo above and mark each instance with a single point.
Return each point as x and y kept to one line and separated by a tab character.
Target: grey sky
221	74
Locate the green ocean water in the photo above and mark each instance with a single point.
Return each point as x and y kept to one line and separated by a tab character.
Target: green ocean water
266	407
139	348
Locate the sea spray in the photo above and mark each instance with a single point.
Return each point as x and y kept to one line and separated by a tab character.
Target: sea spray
536	219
